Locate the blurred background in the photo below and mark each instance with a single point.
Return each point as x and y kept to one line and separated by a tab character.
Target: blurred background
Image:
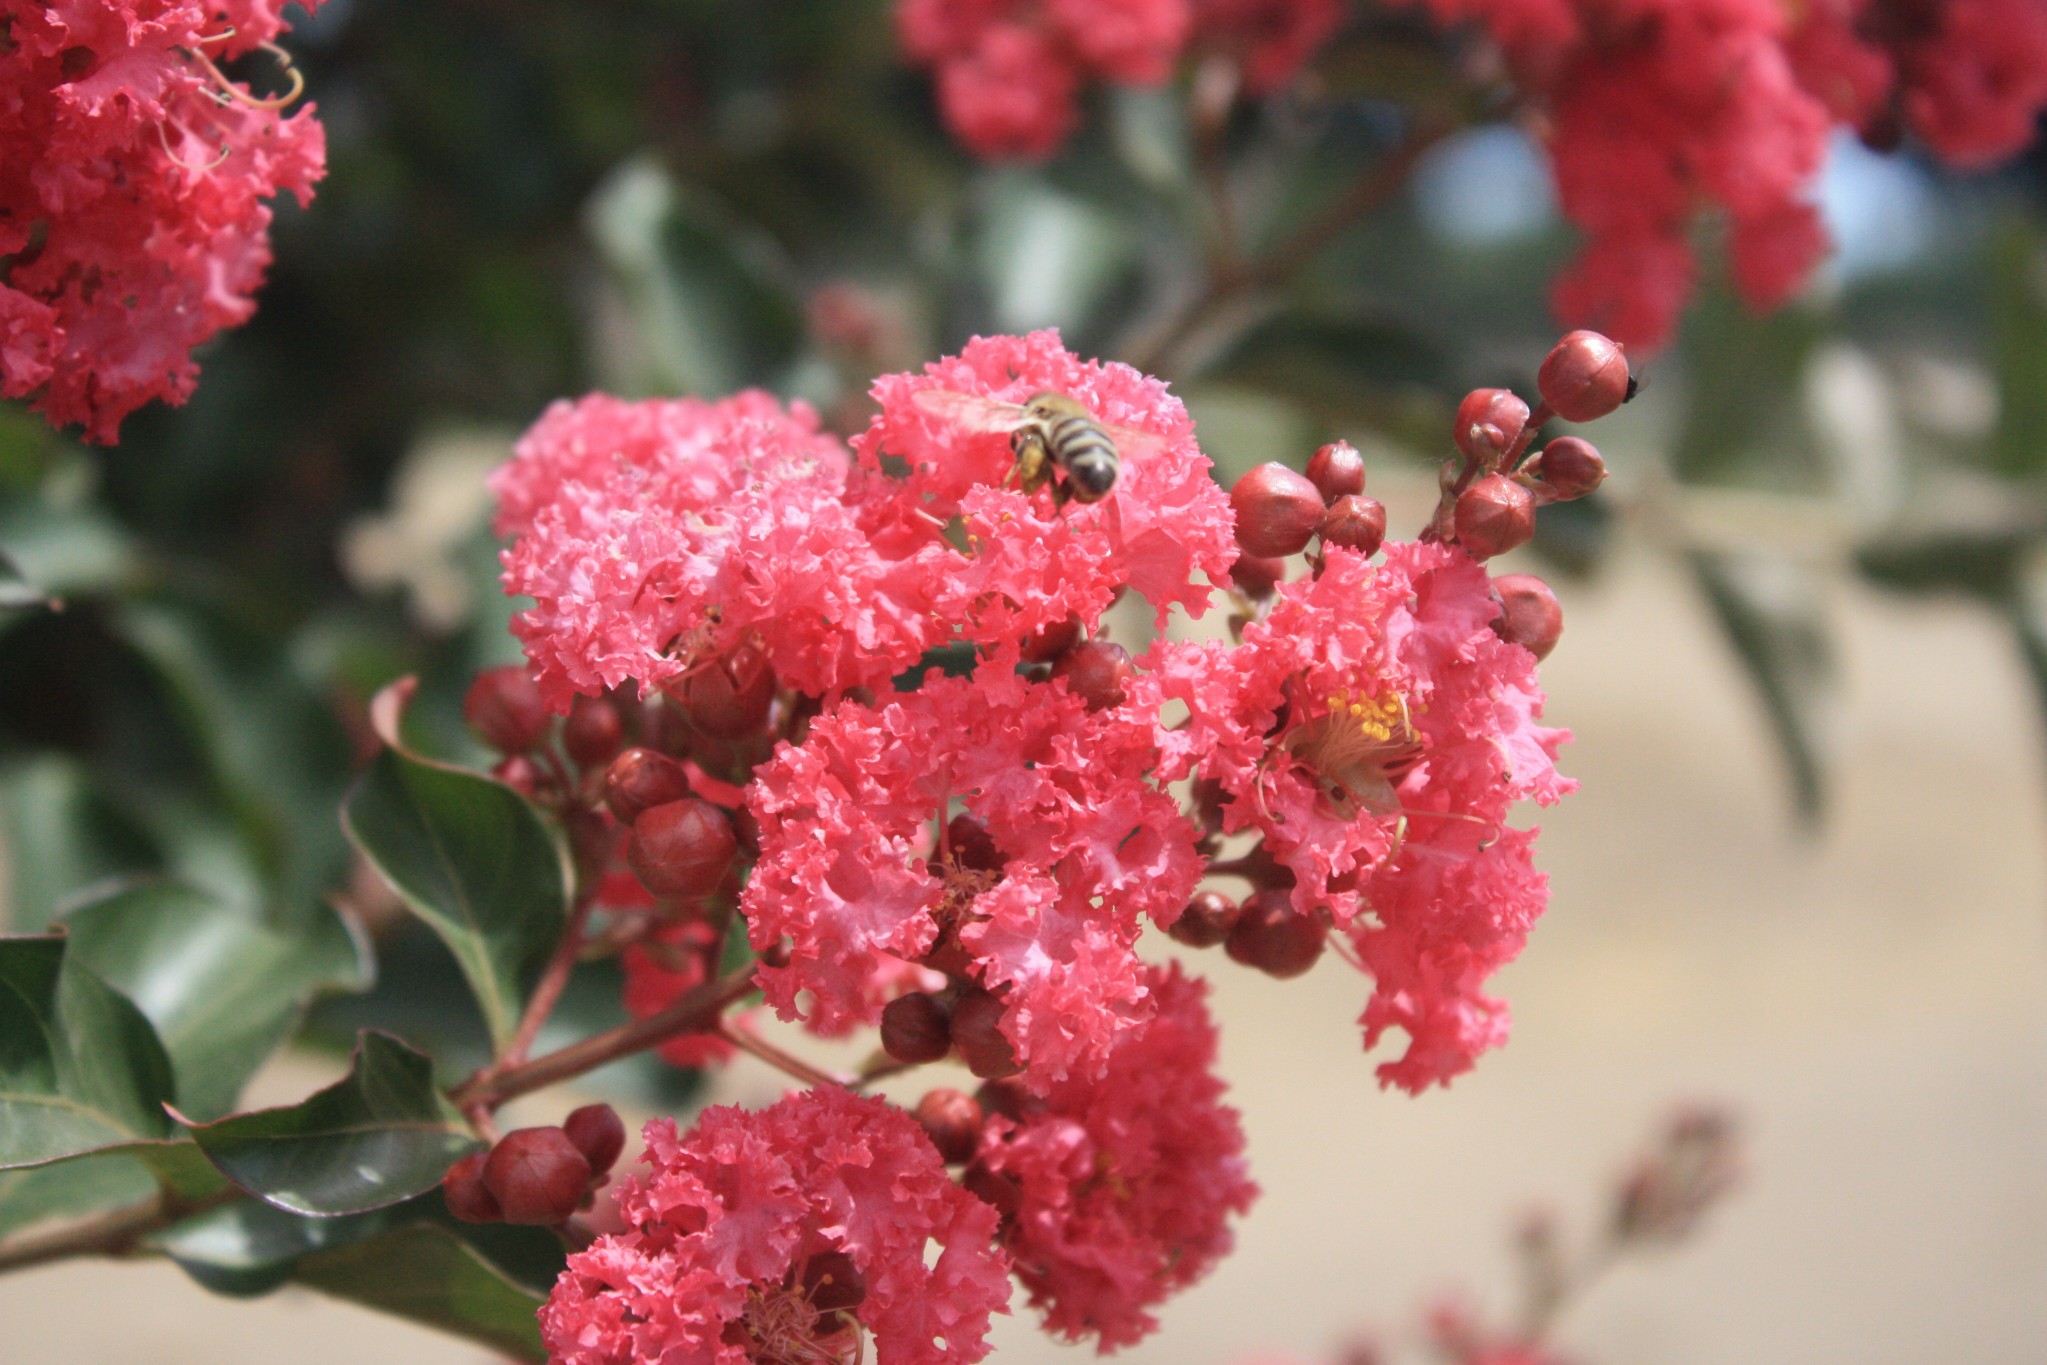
1805	657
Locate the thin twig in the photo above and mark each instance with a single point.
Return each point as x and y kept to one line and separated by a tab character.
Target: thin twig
695	1012
547	992
117	1232
785	1062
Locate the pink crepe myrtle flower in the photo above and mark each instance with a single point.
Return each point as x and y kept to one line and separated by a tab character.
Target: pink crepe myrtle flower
1084	850
1030	563
1375	733
1123	1187
785	1236
657	536
135	181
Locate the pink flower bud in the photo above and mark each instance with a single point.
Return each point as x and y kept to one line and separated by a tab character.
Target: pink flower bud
914	1028
977	1033
537	1176
1489	422
731	697
1493	516
1529	616
1570	467
598	1134
1097	672
1337	470
1277	511
593	731
504	709
952	1120
684	848
1355	522
1206	921
462	1188
1584	377
1275	938
639	779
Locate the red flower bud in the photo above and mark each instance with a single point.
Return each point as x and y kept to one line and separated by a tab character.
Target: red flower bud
1256	575
593	731
1493	516
537	1175
462	1188
1097	672
1206	921
1570	467
914	1028
952	1121
1489	422
833	1283
977	1033
597	1133
520	773
1355	522
504	709
1530	616
1337	470
1049	642
997	1189
684	848
1584	377
731	697
642	778
1277	511
1275	938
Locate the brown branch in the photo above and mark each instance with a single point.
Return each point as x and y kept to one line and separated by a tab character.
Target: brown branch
118	1232
696	1012
786	1062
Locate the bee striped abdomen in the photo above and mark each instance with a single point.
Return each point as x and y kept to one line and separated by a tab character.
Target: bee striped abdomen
1087	454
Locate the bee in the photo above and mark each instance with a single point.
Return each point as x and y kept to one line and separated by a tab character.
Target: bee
1049	431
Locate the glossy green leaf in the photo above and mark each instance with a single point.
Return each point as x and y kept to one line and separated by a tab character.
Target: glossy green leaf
248	1247
474	860
711	297
16	592
1048	258
81	1069
70	1189
61	832
1771	612
223	986
378	1136
428	1275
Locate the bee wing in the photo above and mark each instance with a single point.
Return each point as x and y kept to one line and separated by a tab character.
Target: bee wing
1132	444
967	412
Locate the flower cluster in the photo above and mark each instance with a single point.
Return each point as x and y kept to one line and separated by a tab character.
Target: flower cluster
735	711
785	1236
1657	107
1010	73
134	185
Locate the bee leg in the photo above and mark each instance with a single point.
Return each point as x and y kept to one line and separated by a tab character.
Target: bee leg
1033	468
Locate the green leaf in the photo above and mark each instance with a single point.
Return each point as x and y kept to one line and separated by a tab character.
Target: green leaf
81	1069
428	1275
378	1136
1770	609
2018	302
1745	418
712	298
476	862
223	986
1977	562
60	831
1047	258
70	1189
16	592
248	1247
